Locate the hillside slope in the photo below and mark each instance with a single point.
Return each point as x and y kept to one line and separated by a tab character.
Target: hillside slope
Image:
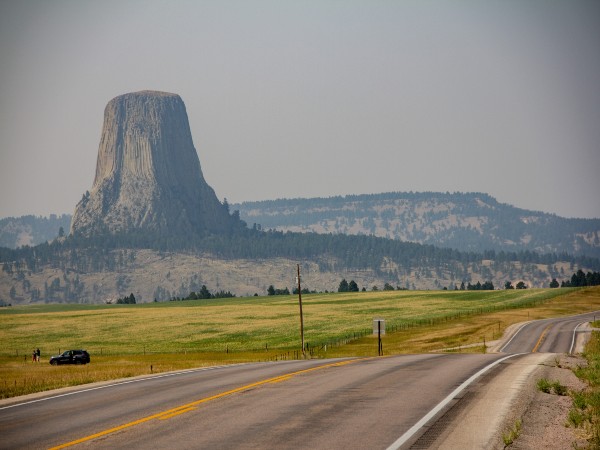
31	230
97	275
466	222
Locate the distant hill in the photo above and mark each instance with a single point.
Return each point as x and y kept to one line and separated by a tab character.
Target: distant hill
246	261
74	270
152	226
32	230
463	221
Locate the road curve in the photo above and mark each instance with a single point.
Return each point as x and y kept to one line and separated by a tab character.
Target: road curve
361	403
556	335
384	402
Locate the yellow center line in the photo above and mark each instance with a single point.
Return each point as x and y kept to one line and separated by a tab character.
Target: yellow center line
541	339
181	411
191	406
279	380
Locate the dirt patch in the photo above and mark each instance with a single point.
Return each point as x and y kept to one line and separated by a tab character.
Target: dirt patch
497	402
544	416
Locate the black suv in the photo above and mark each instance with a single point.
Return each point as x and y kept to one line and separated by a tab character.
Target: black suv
71	357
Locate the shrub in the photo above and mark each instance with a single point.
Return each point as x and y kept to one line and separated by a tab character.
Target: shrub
548	387
509	437
559	389
544	385
576	417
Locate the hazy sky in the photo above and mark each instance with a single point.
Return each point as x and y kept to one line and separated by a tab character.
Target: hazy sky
313	98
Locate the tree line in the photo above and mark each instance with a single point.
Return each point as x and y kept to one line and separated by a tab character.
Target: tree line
579	279
352	251
502	228
127	300
203	294
331	252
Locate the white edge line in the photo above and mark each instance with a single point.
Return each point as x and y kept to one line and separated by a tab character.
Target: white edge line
104	386
427	417
514	335
170	374
527	323
573	340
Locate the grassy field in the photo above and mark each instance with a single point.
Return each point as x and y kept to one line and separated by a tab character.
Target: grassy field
129	340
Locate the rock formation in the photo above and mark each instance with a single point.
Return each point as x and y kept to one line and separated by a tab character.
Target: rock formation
148	175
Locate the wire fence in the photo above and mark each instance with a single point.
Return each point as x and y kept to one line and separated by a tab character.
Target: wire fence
312	347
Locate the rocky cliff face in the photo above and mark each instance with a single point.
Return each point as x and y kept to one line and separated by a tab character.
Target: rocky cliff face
148	174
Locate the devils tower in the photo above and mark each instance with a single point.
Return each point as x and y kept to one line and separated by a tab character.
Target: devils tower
148	175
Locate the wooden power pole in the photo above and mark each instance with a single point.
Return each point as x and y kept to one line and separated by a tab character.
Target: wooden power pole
301	318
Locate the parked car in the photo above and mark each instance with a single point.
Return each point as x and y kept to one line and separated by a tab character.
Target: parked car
71	357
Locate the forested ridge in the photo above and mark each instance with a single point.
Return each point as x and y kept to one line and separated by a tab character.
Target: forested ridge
349	251
106	267
32	230
464	221
469	222
242	260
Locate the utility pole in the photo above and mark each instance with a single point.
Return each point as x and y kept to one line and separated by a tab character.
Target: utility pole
301	318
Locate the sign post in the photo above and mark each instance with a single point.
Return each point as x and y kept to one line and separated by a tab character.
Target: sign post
379	330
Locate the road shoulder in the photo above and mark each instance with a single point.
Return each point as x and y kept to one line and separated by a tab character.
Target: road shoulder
498	400
545	415
494	401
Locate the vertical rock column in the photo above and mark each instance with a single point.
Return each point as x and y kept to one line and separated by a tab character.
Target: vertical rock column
148	174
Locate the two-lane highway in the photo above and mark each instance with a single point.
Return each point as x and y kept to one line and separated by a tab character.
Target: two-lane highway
380	402
362	403
547	336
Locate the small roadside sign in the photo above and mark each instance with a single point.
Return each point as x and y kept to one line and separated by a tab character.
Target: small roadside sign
379	326
379	330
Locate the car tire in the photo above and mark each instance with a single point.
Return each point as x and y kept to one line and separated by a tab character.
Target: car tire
53	362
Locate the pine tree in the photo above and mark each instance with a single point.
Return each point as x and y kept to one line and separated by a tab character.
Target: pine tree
343	287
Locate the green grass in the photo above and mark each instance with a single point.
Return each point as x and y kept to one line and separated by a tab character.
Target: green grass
509	437
126	340
585	412
544	385
548	387
242	324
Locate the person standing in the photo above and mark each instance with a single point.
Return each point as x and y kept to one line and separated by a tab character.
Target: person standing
37	354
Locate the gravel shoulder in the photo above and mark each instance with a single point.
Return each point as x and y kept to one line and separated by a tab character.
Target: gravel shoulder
496	402
544	416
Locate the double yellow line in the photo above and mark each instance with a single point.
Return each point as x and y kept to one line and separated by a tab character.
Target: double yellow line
541	339
193	405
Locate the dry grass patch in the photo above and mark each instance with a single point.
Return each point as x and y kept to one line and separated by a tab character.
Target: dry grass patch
127	340
466	333
20	377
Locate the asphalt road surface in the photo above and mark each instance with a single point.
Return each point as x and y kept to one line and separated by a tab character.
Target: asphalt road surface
384	402
547	336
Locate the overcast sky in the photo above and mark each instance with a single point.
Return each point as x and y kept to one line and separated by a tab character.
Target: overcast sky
313	98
